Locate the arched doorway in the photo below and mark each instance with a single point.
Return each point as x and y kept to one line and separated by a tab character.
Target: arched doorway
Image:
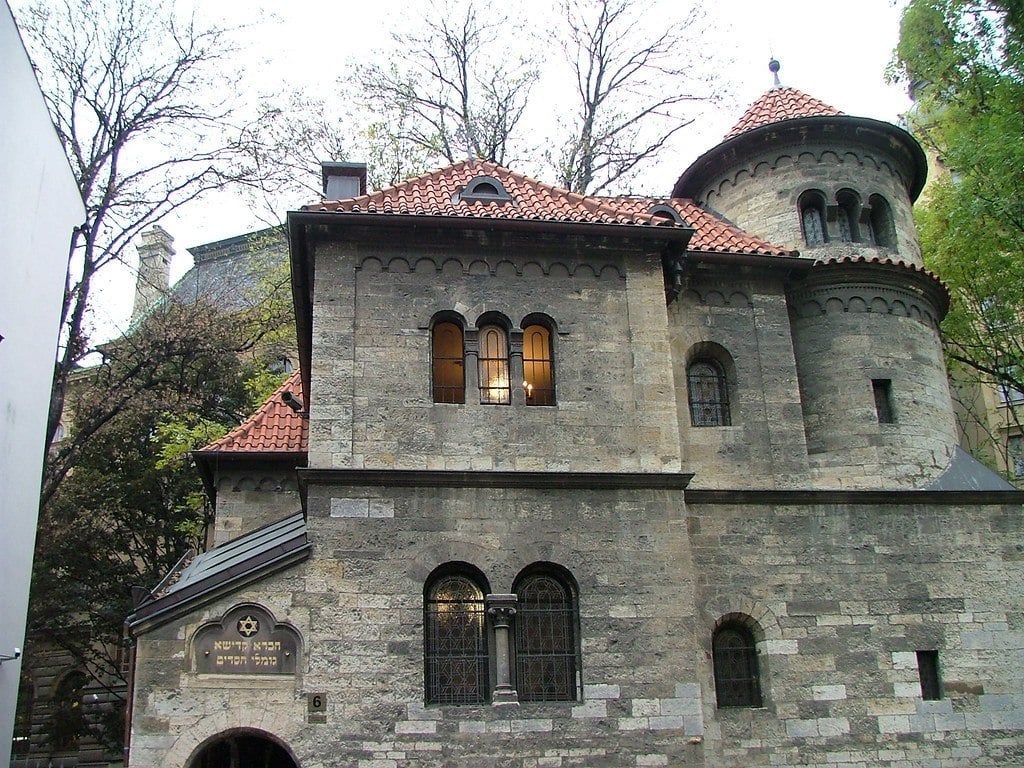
242	749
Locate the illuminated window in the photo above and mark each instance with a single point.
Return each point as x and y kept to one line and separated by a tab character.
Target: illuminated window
538	366
737	683
547	658
454	644
449	378
493	367
708	394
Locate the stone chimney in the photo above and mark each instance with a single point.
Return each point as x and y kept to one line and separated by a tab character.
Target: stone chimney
155	249
343	180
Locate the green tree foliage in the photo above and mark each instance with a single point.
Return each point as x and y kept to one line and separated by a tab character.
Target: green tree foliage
965	64
133	503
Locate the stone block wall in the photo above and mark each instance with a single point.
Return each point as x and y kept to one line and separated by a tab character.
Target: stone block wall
249	497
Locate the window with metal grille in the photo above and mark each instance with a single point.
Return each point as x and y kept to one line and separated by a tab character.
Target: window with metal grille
449	380
928	672
455	645
737	683
538	366
709	394
493	367
547	659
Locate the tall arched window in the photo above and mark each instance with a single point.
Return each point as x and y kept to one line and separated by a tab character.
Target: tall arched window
882	225
454	643
68	721
449	380
812	217
734	654
708	394
547	656
848	216
493	368
538	366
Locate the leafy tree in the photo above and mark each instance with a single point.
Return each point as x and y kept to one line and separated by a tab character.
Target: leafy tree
635	86
964	61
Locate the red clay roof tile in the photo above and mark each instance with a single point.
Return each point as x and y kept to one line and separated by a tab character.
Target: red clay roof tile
273	428
777	105
711	234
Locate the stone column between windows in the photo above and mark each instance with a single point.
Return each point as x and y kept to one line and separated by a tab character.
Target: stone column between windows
471	346
502	609
515	367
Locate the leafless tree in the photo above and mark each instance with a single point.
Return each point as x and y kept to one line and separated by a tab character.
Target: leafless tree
637	82
139	98
462	94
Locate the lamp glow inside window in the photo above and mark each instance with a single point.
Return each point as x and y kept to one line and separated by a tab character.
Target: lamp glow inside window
493	368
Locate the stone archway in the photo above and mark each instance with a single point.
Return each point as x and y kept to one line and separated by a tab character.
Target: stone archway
242	749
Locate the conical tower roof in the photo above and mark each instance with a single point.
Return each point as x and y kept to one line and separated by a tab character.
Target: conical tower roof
780	104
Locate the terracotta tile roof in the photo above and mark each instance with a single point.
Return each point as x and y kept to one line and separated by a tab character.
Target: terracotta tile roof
273	428
438	194
777	105
859	259
711	233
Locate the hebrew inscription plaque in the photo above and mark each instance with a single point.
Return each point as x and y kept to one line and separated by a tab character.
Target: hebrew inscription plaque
246	642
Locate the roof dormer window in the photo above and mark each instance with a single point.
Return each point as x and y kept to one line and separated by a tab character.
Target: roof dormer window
485	189
665	213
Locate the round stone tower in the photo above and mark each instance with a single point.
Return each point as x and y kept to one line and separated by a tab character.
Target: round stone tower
864	317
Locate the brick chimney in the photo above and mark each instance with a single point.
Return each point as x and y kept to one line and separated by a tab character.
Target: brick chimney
155	249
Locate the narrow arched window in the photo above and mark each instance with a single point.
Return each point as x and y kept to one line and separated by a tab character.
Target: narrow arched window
68	721
493	367
454	643
848	216
812	217
547	657
882	225
449	380
737	682
538	366
708	394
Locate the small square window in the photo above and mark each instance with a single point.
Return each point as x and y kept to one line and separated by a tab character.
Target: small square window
882	389
928	671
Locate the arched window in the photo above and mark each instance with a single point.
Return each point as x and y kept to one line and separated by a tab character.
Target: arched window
708	394
812	217
454	643
449	380
737	682
547	655
23	714
493	368
882	226
538	366
68	722
848	216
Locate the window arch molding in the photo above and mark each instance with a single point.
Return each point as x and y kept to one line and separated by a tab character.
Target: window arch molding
547	636
736	665
448	357
456	655
539	359
710	385
811	207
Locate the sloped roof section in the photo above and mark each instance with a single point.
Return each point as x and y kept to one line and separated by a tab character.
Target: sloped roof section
712	234
439	193
777	105
198	579
273	428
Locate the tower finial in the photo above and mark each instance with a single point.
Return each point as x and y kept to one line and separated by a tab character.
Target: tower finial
774	68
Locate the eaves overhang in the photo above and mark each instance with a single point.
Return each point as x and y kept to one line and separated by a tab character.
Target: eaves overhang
832	130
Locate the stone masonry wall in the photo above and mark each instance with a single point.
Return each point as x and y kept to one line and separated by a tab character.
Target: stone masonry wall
760	194
841	597
251	497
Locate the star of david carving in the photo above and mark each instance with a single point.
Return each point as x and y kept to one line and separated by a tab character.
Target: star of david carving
248	626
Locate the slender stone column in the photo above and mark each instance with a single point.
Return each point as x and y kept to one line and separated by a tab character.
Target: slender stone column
502	609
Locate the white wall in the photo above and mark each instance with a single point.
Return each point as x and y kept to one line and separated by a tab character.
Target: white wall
39	207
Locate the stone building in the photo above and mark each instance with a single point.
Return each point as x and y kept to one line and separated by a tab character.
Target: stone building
575	481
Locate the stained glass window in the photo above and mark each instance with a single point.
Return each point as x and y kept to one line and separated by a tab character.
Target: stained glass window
708	393
455	646
547	661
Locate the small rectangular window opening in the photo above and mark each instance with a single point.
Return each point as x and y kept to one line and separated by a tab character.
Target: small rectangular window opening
882	389
1015	455
928	671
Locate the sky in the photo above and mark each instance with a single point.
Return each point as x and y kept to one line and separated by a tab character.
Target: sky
835	52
